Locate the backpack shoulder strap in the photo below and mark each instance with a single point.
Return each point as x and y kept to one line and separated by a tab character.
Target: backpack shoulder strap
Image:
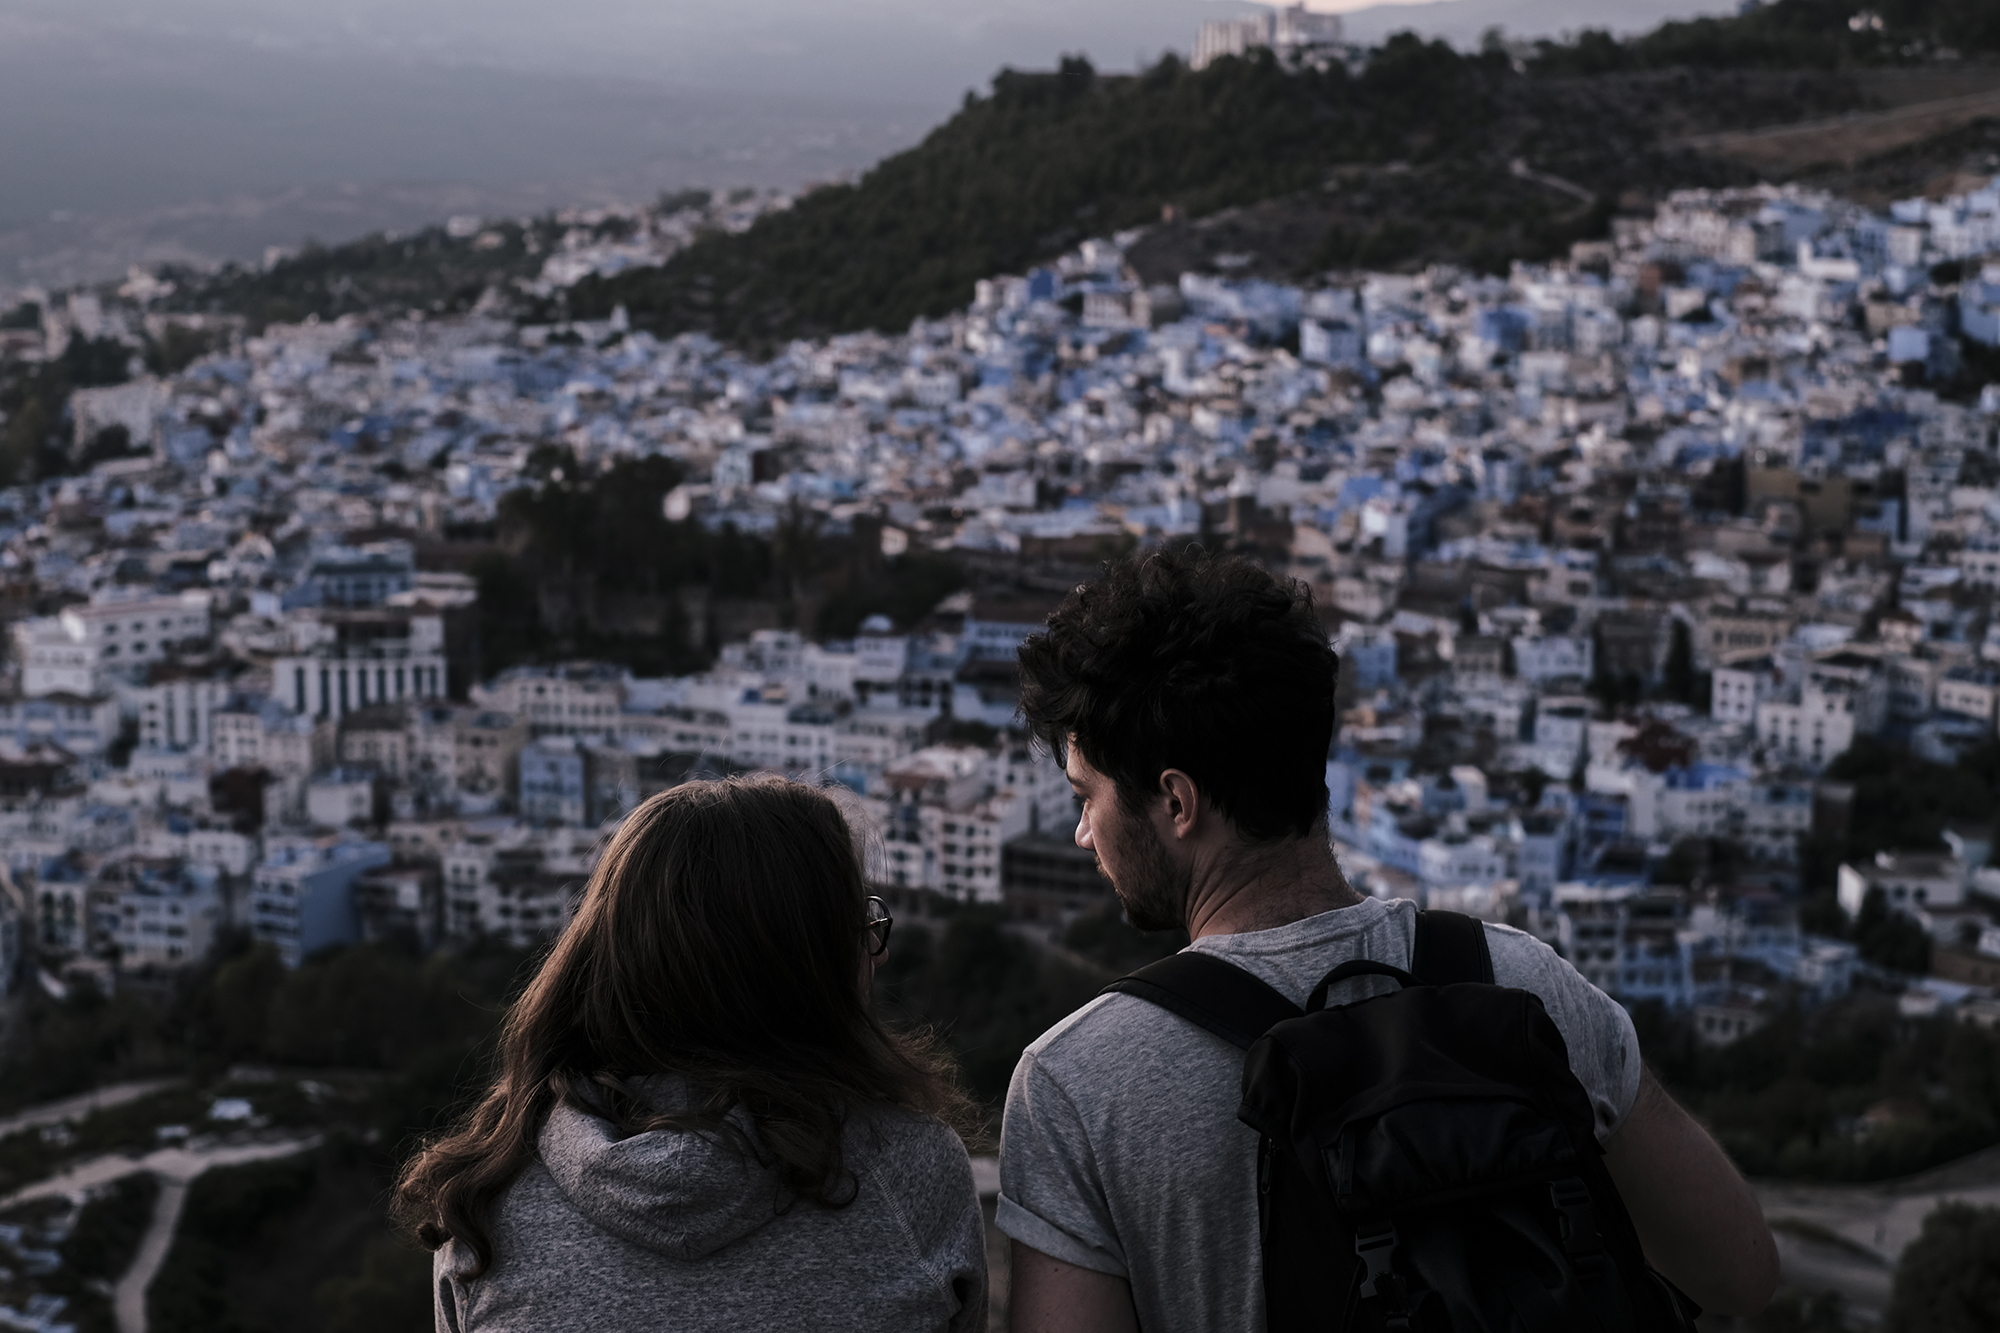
1211	994
1451	947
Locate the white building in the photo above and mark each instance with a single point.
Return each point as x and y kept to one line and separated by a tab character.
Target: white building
85	725
1980	563
1912	684
1702	801
1229	37
576	699
880	657
165	923
1825	967
1970	692
1729	1018
381	739
222	849
1330	343
474	752
259	733
1562	727
62	914
176	709
117	632
339	663
1775	816
1737	690
1909	881
341	797
178	778
1293	32
53	661
1540	658
946	811
1815	728
552	781
1539	838
1979	306
133	406
1457	859
1625	943
758	734
507	882
699	731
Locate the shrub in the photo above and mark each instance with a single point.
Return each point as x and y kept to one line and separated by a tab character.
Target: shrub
1949	1277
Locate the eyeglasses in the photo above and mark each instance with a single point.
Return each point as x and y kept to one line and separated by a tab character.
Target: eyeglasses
878	926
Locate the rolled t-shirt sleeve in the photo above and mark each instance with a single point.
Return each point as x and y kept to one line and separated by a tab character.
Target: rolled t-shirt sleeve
1603	1046
1051	1195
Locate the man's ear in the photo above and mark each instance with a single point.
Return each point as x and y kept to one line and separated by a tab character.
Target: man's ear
1184	806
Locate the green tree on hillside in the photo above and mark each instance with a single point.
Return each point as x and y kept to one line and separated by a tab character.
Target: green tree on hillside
1891	939
1949	1278
1788	34
1902	802
573	543
34	443
430	271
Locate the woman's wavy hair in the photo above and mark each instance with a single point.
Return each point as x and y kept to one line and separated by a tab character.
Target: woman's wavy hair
720	939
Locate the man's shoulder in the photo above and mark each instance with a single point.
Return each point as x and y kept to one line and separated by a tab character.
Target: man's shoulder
1526	961
1115	1030
1589	1019
1103	1019
1122	1032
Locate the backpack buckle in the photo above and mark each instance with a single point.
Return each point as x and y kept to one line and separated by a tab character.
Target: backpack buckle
1375	1245
1578	1223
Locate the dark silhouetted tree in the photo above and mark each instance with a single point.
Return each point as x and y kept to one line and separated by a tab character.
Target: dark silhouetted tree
1949	1278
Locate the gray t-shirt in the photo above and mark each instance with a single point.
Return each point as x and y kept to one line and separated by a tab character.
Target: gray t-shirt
1121	1151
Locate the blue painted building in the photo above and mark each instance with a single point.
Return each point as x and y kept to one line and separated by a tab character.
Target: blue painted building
302	894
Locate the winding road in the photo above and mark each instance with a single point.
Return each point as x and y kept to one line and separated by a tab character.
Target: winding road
76	1108
1848	1238
176	1169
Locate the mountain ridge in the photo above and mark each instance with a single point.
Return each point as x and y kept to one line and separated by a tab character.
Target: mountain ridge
1415	153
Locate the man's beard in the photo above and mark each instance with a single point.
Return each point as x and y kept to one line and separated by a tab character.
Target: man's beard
1152	888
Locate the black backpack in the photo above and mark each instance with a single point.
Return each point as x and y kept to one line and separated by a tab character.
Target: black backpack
1428	1159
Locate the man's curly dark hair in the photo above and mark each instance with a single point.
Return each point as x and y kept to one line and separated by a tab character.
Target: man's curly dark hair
1205	663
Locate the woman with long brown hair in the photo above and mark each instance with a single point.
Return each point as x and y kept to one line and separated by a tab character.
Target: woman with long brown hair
698	1123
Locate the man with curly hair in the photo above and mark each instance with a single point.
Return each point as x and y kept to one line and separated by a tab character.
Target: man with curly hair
1190	698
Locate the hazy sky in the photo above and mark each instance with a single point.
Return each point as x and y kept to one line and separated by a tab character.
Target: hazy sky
112	111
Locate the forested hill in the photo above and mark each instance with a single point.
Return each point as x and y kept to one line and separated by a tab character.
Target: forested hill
1417	156
1797	34
1408	158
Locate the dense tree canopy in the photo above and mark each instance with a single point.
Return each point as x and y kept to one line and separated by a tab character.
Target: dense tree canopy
1949	1277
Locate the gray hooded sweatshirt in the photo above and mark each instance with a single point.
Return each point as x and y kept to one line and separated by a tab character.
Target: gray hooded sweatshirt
670	1230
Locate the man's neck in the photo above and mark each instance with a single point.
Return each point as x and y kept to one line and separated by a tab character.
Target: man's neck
1262	888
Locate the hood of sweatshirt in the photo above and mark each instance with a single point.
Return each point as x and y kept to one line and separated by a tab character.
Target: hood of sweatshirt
683	1194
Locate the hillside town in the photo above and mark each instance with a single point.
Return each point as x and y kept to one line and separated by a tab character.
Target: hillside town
1620	553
